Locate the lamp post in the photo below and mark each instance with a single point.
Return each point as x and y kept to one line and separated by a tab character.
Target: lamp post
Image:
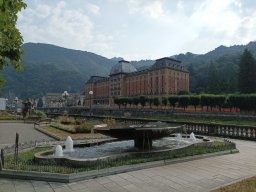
16	106
65	96
90	94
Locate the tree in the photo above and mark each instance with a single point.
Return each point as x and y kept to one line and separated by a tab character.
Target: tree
143	100
195	100
213	82
247	71
117	101
173	100
156	101
164	101
150	101
184	101
136	100
10	37
40	103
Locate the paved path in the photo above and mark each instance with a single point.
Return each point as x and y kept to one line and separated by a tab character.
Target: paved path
198	175
26	131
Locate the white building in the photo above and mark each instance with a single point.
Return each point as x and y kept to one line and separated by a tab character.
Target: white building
56	100
3	104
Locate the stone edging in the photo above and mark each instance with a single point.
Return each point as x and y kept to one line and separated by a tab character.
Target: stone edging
68	178
47	133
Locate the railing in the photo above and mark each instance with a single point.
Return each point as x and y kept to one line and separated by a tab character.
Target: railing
231	131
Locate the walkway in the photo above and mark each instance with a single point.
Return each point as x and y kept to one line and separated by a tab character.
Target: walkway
26	131
198	175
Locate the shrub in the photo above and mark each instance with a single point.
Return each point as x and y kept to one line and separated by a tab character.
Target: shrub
110	122
85	127
66	120
41	114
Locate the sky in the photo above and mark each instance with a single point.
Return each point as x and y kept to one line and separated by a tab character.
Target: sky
139	29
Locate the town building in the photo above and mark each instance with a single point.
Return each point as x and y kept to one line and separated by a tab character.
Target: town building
165	77
56	100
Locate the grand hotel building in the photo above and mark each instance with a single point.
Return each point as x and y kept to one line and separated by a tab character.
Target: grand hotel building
165	77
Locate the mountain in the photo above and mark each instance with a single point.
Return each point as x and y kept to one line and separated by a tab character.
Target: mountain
117	59
49	68
226	61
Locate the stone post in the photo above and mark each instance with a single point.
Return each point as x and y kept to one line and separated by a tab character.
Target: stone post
2	157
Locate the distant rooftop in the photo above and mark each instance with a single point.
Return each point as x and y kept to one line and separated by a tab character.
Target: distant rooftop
168	62
93	79
122	67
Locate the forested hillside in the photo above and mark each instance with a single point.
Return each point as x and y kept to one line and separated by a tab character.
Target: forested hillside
49	68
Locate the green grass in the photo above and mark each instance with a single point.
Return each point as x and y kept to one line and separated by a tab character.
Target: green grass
26	159
7	116
208	120
247	185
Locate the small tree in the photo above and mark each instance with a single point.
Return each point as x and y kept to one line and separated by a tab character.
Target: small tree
205	101
117	101
136	100
164	101
194	100
184	101
220	101
173	100
143	100
233	101
150	101
123	101
156	101
129	101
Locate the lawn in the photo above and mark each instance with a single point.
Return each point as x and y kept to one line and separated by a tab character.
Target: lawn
64	134
247	185
208	120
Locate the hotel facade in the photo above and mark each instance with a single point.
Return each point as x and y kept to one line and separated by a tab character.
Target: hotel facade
165	77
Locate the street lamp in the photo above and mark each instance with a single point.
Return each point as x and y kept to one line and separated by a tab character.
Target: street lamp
16	106
65	96
90	93
16	103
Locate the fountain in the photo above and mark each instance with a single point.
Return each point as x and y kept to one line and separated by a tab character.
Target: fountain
58	151
142	134
178	137
150	139
192	136
69	145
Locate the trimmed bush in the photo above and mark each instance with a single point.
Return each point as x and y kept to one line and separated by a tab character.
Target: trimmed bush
184	101
173	100
85	127
195	100
66	120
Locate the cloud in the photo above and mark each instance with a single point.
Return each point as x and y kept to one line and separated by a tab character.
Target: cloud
153	9
94	9
64	26
140	29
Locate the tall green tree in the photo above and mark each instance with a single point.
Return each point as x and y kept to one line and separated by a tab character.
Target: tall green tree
247	73
10	37
213	82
